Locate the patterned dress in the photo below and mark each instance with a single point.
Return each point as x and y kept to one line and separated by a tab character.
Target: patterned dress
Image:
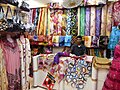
112	81
12	63
25	59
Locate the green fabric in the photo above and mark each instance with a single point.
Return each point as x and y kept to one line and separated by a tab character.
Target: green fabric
82	21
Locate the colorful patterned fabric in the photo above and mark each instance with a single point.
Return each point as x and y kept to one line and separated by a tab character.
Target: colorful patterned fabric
72	22
112	81
92	23
98	21
25	59
109	19
95	41
114	38
116	13
77	73
87	25
82	21
103	20
42	22
11	50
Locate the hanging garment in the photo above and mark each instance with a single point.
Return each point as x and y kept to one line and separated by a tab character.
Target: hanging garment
112	81
109	19
103	20
114	38
3	74
98	21
25	59
87	21
82	21
116	13
12	63
92	23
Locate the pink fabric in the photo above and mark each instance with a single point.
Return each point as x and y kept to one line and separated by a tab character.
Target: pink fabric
112	81
12	63
12	58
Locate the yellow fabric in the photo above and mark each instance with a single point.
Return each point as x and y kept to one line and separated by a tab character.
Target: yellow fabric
101	63
87	41
55	39
3	74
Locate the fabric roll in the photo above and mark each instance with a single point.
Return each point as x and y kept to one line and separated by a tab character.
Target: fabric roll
98	21
92	23
82	21
87	25
103	20
109	19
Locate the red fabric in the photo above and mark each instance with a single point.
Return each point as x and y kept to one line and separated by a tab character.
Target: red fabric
116	13
33	15
112	81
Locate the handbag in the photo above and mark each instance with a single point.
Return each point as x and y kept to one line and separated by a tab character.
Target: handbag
1	13
9	20
3	22
13	2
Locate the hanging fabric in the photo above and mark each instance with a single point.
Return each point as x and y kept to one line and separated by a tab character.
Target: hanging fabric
41	27
114	38
92	23
87	20
56	19
109	19
98	20
25	59
116	13
72	28
10	50
3	77
82	21
103	20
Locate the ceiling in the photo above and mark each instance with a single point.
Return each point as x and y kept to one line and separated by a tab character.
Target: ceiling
38	3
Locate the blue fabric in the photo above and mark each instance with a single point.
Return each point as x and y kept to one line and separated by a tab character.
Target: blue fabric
114	38
67	40
61	40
